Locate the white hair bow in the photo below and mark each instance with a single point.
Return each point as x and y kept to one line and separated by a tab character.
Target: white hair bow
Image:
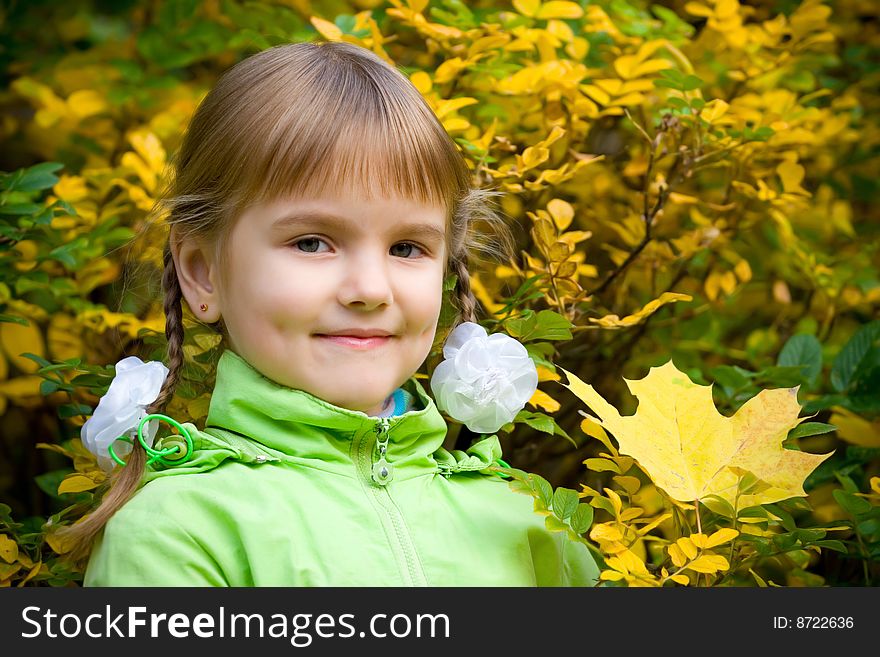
484	380
119	412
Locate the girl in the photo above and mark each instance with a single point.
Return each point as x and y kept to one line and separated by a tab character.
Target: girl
316	206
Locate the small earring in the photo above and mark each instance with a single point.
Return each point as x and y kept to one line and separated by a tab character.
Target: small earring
203	307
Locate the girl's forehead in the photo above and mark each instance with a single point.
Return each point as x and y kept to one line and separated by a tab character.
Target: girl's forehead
345	199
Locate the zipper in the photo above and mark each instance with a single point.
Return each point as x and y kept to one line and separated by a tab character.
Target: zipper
382	471
370	449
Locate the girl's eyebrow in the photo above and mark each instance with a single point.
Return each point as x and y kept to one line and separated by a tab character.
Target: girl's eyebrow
313	217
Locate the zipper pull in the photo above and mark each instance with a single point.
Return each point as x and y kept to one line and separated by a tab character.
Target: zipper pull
383	471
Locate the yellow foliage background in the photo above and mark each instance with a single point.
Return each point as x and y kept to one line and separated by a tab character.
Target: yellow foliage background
687	180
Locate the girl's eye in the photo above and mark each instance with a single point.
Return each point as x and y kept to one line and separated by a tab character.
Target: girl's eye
308	244
406	244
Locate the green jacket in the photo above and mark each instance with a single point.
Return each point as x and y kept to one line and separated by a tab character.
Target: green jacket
280	492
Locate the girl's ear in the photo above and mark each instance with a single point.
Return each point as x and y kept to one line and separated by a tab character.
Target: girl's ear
196	271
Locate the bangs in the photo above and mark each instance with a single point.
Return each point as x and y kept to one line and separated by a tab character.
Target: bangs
363	128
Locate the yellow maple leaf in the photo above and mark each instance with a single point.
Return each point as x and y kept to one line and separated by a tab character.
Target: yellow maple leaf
613	321
690	450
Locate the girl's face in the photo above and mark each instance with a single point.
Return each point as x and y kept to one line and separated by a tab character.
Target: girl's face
298	272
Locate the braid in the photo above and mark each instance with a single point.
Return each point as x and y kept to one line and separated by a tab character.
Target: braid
467	303
173	332
79	537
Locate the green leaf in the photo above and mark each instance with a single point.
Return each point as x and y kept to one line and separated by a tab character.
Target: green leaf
66	411
48	482
543	488
784	516
718	505
545	325
850	357
14	319
781	376
785	541
539	421
582	518
552	326
837	546
39	360
20	208
810	429
672	74
753	512
850	503
809	535
565	501
691	82
803	350
554	524
731	377
39	177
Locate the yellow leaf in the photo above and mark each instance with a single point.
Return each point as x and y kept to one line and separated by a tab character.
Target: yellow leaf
714	110
679	558
544	233
532	157
71	188
543	400
445	107
697	9
8	549
633	66
687	546
654	523
680	579
34	569
76	483
601	465
690	450
21	388
562	213
613	321
630	484
326	29
721	536
421	81
86	102
606	531
854	428
630	514
875	484
709	563
556	9
592	428
448	70
527	7
616	502
546	374
17	339
198	408
743	271
791	173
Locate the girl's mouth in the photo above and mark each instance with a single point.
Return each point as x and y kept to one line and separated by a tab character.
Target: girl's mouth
356	343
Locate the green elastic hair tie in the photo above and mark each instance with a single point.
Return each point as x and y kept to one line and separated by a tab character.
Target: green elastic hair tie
159	454
503	464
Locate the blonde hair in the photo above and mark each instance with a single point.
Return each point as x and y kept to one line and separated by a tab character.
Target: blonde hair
290	122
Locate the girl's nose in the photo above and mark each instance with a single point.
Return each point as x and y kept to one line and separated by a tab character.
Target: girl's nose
367	281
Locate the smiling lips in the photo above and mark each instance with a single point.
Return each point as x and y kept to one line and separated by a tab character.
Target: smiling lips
358	338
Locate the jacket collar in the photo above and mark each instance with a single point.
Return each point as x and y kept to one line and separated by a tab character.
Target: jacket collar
295	425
